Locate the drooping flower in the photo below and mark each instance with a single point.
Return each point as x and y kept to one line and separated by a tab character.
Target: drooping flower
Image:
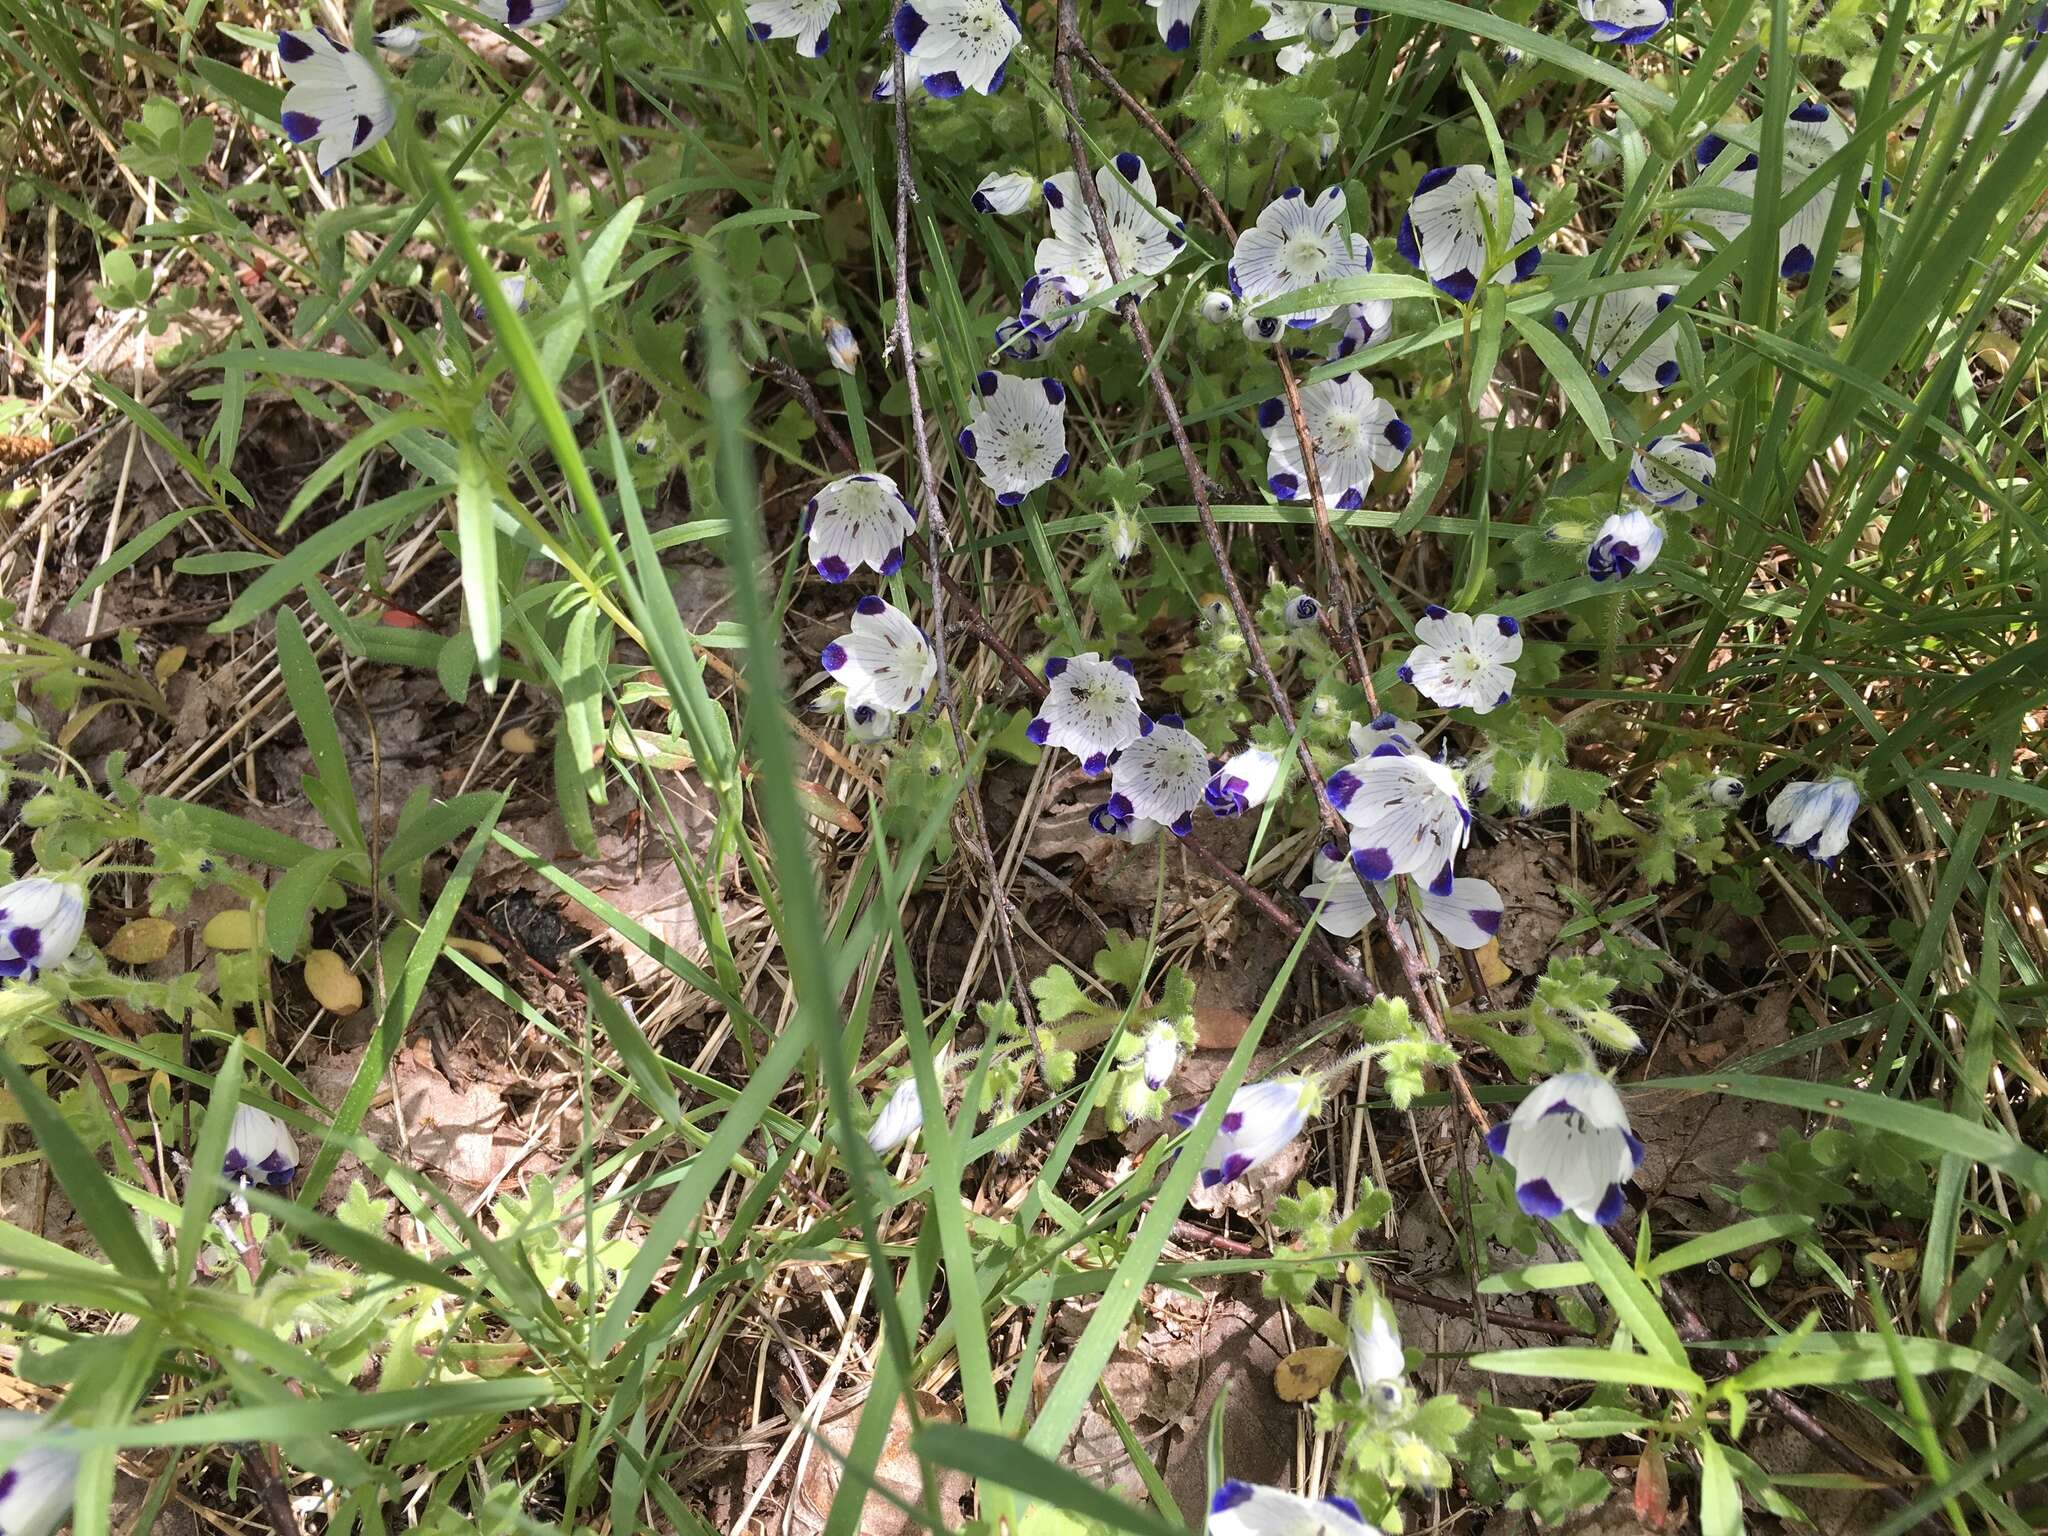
886	660
1726	791
1040	317
1245	780
1218	306
1571	1148
1655	468
1295	243
1161	1054
1368	735
1310	28
1377	1359
1985	82
1146	243
1176	19
1464	660
260	1149
1262	1118
521	13
1811	817
808	21
1302	612
1813	134
1369	320
956	45
900	1118
37	1488
1626	21
1017	436
1444	231
1253	1509
515	288
1468	916
1407	812
1261	327
840	345
1352	430
1606	327
866	724
40	923
337	99
401	42
859	520
1626	543
1159	777
1092	708
1135	829
1005	192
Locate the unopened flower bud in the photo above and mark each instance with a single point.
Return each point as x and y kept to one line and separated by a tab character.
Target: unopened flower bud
1218	306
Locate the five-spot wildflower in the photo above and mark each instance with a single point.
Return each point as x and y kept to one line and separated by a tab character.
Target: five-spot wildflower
886	660
1352	430
1176	19
1005	192
840	345
1366	735
1626	543
337	99
1017	435
1091	708
1571	1148
1626	21
1309	27
401	42
1813	134
1161	1054
1301	612
1161	776
1245	780
1295	243
1040	317
1984	85
260	1150
37	1488
521	13
1726	791
858	520
900	1118
866	725
40	923
1262	1118
1408	815
1368	321
1445	230
1812	817
808	21
1253	1509
1377	1359
1464	660
1607	326
1655	468
1468	916
1145	243
956	45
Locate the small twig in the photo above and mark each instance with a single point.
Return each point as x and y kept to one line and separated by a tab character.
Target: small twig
106	1093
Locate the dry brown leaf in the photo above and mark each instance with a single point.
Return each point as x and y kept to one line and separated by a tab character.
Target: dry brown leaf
142	942
519	742
166	666
1219	1029
478	950
232	929
1304	1374
333	985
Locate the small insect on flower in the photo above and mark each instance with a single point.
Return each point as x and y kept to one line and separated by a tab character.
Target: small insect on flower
1146	242
1301	612
886	661
1464	660
859	520
1626	543
1571	1148
1407	812
1813	134
260	1150
1377	1359
1218	307
1811	817
1039	317
1368	321
1626	22
1017	436
37	1488
1159	777
840	345
1253	1509
401	42
1295	243
1726	791
1176	19
1092	708
337	99
808	21
40	924
1325	30
866	725
1352	430
1607	326
1468	916
1244	781
1262	1118
1005	192
1445	230
1658	471
956	45
900	1118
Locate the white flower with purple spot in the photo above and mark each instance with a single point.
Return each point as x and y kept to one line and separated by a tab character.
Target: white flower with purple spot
1407	812
866	725
1244	781
1161	1055
1467	916
1352	430
1262	1118
859	520
401	42
40	924
1005	192
1813	817
1041	316
1146	242
1092	708
1218	307
515	288
1994	75
1366	735
260	1150
840	346
1296	243
1813	134
1658	471
1726	791
1626	543
1377	1359
1464	660
37	1488
808	21
1445	230
1607	326
900	1118
1368	321
337	99
1161	776
1570	1147
1301	612
1311	28
1626	22
1176	19
955	45
1252	1509
1017	436
521	13
886	660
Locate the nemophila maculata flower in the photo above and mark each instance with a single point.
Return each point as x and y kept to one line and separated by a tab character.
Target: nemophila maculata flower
1005	192
858	520
401	42
1352	431
1627	542
1985	87
808	21
1464	660
1813	134
957	45
1244	782
40	924
1309	28
1040	317
1092	708
1570	1147
1218	306
260	1150
1606	328
1161	776
337	99
1374	1350
1626	21
1161	1054
1017	436
900	1118
1262	1118
1265	328
1366	322
1726	791
886	660
1445	228
1297	241
1813	817
1176	19
1408	815
840	346
1145	243
1252	1509
1467	916
1651	471
1367	736
37	1488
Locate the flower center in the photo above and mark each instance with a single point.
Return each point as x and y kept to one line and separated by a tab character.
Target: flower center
1303	254
1340	433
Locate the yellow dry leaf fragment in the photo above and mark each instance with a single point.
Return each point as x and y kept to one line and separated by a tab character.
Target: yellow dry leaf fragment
479	951
1304	1374
333	985
142	942
232	929
166	666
